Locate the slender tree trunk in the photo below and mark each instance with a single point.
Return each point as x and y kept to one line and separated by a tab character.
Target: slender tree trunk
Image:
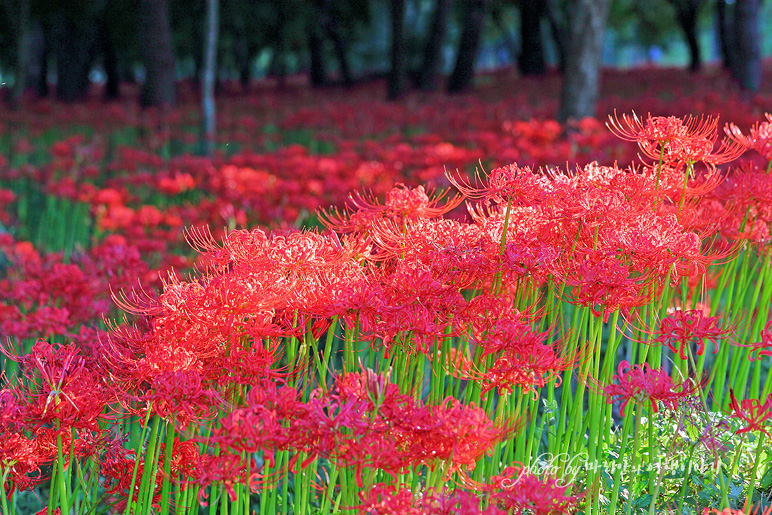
316	49
581	83
724	34
110	59
157	53
339	44
427	77
37	77
240	44
279	61
75	42
688	22
396	86
747	38
531	59
463	72
559	31
21	15
210	74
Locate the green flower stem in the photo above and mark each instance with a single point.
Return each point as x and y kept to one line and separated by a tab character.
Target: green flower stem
53	494
627	424
149	458
327	501
756	461
64	501
3	479
169	443
636	441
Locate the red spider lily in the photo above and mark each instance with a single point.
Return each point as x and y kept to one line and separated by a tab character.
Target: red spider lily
507	184
759	136
762	348
22	457
402	203
751	411
519	492
681	328
641	383
60	387
677	140
381	499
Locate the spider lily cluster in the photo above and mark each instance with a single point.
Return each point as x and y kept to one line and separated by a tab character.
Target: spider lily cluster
413	358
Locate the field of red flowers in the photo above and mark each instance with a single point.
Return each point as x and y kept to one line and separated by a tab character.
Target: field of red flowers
450	305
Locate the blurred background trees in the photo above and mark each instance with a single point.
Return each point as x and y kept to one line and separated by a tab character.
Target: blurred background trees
425	44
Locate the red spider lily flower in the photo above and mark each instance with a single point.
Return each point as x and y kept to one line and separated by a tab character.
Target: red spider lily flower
759	136
681	328
60	387
22	457
751	411
383	499
641	383
402	203
677	140
525	493
762	348
520	186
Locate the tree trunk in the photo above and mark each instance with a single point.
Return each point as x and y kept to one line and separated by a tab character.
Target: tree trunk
396	86
75	41
531	59
724	34
747	38
339	44
210	74
240	44
687	12
110	61
157	53
559	30
688	21
585	53
427	77
37	77
20	12
463	72
316	48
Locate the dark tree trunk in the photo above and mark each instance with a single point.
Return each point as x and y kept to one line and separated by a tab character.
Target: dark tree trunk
581	82
747	38
75	42
19	11
240	44
427	77
37	77
208	108
687	12
278	67
531	59
339	44
157	53
463	72
316	49
396	86
724	34
110	61
688	23
559	30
